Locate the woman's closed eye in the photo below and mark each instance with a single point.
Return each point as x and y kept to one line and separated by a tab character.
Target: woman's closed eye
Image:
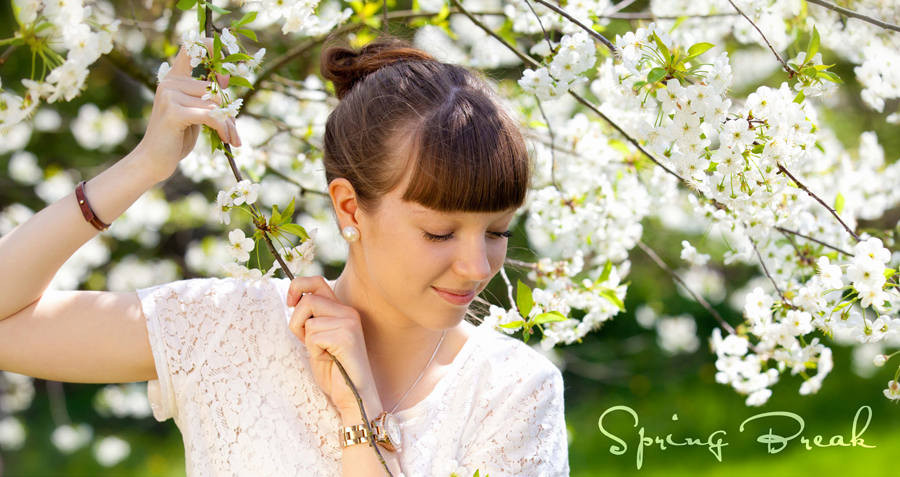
441	238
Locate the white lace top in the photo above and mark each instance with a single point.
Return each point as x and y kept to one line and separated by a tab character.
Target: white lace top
238	384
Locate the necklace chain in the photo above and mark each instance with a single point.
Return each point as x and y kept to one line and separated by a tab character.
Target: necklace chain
423	369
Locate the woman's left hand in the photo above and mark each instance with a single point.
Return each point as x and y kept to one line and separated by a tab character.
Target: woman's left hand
329	327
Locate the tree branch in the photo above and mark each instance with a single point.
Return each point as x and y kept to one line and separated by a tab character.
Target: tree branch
852	14
791	71
766	270
814	196
589	30
784	230
702	301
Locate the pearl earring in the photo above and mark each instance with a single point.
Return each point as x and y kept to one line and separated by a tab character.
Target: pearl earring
350	233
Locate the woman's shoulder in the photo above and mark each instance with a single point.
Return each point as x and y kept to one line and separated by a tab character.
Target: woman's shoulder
505	355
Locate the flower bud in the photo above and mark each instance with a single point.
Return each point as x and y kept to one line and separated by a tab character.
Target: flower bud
879	360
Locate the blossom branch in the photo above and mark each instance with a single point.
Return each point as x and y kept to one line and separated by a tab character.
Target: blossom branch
791	71
766	270
702	301
814	196
532	62
784	230
652	16
852	14
591	31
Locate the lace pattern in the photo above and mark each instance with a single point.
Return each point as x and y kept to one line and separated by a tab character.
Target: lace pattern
238	385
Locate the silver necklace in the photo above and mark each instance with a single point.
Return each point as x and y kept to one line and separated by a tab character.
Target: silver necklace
423	370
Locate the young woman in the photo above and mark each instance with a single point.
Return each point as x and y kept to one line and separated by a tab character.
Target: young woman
425	169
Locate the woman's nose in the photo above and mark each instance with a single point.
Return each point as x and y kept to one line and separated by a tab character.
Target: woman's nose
474	264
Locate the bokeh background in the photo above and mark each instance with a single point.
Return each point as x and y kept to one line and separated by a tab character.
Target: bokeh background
654	357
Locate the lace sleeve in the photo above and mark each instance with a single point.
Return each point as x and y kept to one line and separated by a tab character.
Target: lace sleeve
183	322
525	434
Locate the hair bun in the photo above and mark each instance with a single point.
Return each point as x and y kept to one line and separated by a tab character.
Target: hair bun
345	67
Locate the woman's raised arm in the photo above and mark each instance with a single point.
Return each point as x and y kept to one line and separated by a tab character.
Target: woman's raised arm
90	336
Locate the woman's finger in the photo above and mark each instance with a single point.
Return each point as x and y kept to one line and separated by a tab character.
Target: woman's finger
223	80
232	132
201	116
311	306
195	102
315	284
190	86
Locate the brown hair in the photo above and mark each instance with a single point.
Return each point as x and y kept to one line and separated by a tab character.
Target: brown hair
402	113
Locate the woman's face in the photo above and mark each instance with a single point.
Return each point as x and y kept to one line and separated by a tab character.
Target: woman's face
404	267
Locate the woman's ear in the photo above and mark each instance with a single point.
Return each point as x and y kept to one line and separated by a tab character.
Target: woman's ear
343	199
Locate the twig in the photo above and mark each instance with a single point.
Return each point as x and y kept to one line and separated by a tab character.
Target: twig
509	288
303	190
552	149
302	48
652	16
791	71
6	54
814	196
766	270
784	230
852	14
591	31
702	301
529	60
619	7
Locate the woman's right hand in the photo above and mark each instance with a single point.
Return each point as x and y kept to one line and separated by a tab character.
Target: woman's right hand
177	114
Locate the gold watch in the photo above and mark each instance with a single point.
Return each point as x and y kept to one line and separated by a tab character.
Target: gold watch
386	429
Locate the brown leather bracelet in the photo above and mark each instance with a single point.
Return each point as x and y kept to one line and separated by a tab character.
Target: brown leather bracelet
86	208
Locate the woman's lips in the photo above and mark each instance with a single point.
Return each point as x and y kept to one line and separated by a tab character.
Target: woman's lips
455	299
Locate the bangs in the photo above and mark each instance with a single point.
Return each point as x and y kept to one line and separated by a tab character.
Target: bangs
468	155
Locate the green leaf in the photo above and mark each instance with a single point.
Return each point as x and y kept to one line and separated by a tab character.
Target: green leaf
236	57
295	230
610	295
201	16
276	217
843	305
698	49
513	324
813	47
656	74
839	203
524	299
607	269
800	97
889	272
214	141
758	149
248	33
247	18
679	21
186	4
550	317
827	75
662	48
219	10
217	49
527	335
713	166
289	210
239	81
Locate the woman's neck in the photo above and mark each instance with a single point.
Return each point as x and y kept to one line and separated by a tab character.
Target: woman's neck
398	348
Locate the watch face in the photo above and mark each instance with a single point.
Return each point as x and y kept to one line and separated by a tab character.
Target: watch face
392	429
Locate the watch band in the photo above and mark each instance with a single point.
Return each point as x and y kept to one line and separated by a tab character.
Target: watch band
351	435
